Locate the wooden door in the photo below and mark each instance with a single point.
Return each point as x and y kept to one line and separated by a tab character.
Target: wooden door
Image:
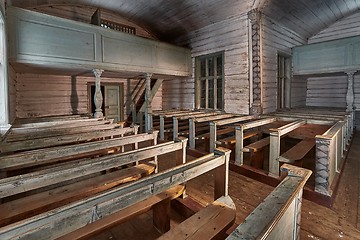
113	102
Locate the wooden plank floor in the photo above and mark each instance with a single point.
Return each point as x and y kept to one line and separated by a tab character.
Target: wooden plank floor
342	221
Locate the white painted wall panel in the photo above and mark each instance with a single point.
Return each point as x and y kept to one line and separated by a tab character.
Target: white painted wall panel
230	36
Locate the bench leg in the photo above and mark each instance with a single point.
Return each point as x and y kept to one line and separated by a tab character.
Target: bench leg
161	216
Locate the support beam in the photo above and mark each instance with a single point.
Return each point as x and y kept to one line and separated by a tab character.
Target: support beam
148	109
98	98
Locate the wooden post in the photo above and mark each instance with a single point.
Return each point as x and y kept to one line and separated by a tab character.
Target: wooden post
221	174
350	91
274	154
148	110
181	154
255	61
239	145
162	135
212	136
175	128
98	98
191	133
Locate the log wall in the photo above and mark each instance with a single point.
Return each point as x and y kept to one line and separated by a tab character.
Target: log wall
278	39
12	94
230	36
46	95
298	91
346	27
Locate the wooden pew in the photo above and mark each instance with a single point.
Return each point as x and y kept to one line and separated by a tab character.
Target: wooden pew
218	123
62	140
330	148
186	118
255	149
72	170
275	136
239	136
56	123
208	223
65	130
172	115
279	215
65	219
297	152
194	120
54	154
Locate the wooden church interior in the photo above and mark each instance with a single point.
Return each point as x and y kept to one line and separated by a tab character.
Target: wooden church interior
179	119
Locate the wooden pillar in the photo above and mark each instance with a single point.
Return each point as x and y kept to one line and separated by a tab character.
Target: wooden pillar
322	166
350	91
212	136
274	154
98	98
239	145
192	133
162	126
255	61
148	110
175	128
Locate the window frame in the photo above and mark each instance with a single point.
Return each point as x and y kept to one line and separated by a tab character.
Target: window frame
207	78
283	81
4	106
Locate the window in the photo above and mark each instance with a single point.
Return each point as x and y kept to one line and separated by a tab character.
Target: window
283	81
210	81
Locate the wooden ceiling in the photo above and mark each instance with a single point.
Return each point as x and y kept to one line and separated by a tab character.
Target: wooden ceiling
169	19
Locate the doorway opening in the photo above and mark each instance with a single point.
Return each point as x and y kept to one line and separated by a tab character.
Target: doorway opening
112	106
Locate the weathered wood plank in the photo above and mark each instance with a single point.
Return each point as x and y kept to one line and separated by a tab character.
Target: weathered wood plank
124	215
25	207
48	225
297	152
61	140
37	157
22	183
208	223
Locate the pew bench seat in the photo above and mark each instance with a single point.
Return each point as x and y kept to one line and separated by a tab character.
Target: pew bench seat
257	146
223	131
298	152
124	215
209	223
31	205
232	139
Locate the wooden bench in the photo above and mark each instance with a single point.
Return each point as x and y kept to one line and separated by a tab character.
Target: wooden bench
62	153
218	123
279	215
121	200
297	152
65	139
29	206
256	150
193	121
208	223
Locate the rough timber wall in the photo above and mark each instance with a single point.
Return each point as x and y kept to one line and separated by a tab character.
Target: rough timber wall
12	94
275	39
230	36
326	91
46	95
347	27
298	91
83	14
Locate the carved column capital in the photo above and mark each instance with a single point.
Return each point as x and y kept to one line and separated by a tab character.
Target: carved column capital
148	75
97	72
351	73
254	15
